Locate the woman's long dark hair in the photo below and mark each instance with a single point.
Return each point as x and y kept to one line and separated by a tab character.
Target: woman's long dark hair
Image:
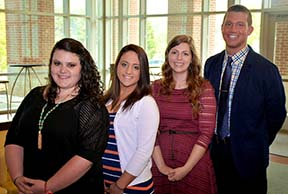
90	83
143	86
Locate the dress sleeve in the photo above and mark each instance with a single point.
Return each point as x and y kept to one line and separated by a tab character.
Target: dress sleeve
93	130
207	115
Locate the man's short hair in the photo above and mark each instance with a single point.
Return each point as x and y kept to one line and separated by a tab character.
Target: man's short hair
240	8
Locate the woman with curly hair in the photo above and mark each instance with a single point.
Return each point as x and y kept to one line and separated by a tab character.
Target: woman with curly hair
187	108
60	131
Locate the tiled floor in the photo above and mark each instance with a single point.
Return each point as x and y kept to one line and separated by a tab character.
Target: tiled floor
277	174
278	169
280	144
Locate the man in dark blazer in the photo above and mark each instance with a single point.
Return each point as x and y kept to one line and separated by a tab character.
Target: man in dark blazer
256	109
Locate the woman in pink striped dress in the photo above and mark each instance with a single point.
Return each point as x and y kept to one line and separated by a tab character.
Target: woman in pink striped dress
187	108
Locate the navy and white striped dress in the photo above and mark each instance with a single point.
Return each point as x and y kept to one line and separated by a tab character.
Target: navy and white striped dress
112	169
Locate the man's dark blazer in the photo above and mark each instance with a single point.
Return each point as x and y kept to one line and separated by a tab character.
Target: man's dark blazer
257	110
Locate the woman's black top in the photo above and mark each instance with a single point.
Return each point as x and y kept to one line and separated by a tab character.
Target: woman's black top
75	127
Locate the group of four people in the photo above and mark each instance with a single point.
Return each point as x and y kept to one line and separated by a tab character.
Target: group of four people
158	138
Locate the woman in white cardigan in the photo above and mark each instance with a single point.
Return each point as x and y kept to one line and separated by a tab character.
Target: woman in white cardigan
134	120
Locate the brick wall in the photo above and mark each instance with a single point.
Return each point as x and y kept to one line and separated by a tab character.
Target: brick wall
30	38
281	47
190	25
279	3
185	24
133	22
281	39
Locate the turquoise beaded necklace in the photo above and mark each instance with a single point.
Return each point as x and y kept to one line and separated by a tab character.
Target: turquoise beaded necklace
41	122
43	117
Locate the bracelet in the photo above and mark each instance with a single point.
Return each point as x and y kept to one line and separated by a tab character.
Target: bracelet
45	189
15	179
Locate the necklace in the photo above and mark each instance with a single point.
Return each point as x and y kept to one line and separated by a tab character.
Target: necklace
41	122
43	117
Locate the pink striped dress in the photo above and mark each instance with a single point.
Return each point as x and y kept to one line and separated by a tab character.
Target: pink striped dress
178	133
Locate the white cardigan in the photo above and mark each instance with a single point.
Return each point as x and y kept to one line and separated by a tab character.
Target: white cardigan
135	131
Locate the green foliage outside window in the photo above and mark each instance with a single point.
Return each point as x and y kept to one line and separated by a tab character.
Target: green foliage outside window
151	43
3	56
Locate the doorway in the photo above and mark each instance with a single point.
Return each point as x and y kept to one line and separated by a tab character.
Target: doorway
275	48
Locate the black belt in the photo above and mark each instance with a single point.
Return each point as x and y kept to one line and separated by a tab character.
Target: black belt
171	131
